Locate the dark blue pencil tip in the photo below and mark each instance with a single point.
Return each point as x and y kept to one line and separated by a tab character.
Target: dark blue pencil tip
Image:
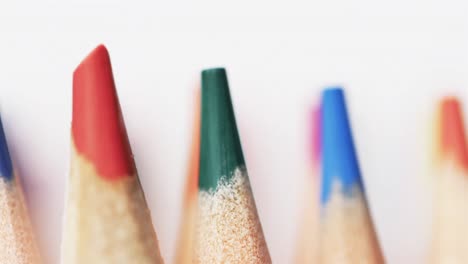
6	168
340	165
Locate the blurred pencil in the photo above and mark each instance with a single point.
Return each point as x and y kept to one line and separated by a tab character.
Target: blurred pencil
307	246
450	241
184	250
228	228
17	244
107	218
347	232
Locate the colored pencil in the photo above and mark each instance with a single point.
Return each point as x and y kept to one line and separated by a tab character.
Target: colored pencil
17	243
184	250
450	241
228	228
307	246
347	232
107	218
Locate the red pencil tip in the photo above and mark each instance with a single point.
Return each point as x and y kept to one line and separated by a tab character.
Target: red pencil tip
98	129
452	132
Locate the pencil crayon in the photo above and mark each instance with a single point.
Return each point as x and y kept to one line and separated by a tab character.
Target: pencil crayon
184	251
228	228
17	242
307	246
107	219
347	232
450	237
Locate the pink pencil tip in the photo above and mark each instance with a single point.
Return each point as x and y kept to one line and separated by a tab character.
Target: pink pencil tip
315	135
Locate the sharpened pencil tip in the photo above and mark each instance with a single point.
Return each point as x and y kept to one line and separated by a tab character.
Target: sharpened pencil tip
452	141
315	137
340	162
6	168
220	149
98	129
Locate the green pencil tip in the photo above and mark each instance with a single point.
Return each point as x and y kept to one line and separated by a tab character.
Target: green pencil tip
220	149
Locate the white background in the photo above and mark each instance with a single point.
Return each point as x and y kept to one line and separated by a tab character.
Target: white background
394	58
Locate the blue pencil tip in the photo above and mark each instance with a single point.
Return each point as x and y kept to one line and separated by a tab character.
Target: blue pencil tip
6	168
339	165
